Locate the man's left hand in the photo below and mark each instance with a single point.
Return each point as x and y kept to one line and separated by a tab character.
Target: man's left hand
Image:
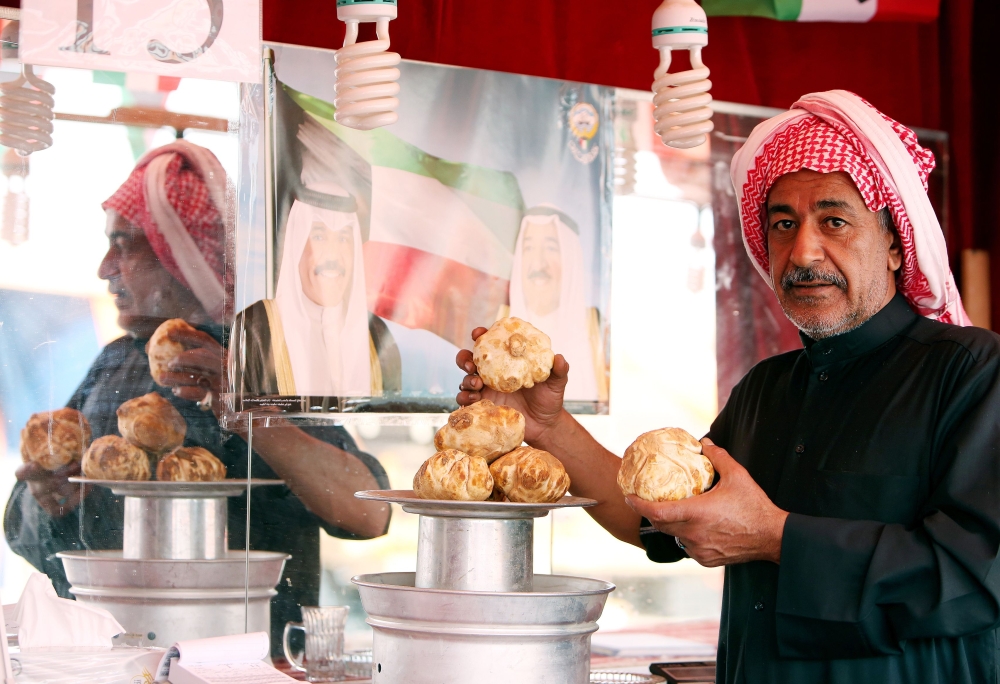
734	522
197	371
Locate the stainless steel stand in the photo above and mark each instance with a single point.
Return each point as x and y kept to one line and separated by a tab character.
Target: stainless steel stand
474	610
175	577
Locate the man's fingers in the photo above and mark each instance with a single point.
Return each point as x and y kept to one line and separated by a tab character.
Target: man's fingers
29	471
202	361
660	511
466	398
720	458
190	392
560	368
193	338
464	361
171	379
473	383
477	333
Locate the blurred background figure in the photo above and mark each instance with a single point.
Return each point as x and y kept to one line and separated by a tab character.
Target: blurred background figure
167	233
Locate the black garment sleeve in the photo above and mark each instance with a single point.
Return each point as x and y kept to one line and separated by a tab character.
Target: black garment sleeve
660	547
859	588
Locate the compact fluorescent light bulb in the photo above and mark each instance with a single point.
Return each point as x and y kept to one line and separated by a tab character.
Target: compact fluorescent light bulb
681	103
366	85
26	113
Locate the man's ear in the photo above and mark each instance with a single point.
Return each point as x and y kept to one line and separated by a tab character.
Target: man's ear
895	257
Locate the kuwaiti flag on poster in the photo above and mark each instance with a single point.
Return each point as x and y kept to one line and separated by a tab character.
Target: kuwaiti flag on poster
441	235
827	10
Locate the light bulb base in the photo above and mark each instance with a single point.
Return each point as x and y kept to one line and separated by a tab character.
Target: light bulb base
680	24
365	10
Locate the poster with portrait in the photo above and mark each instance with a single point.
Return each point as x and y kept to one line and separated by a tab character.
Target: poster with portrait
489	197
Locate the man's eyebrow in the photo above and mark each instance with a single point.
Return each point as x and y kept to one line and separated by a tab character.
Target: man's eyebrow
115	234
779	209
834	204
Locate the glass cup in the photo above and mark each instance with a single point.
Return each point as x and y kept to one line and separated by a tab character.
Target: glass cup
323	659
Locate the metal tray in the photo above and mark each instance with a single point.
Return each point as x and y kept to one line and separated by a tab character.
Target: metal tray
411	503
179	490
608	677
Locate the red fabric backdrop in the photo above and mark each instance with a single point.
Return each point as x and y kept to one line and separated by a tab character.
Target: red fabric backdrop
940	75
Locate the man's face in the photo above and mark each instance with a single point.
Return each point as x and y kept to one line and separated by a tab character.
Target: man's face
145	293
541	267
327	264
831	261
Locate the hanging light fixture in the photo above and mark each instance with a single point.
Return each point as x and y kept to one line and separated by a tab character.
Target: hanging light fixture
366	74
681	100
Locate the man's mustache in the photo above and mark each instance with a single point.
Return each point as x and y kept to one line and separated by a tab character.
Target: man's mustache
539	273
330	267
810	275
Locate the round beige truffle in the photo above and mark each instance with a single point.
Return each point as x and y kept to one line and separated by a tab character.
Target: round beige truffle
53	439
190	464
152	423
113	458
513	354
162	349
452	475
665	465
482	429
529	475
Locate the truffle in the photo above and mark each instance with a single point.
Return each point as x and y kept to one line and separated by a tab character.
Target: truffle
53	439
152	423
453	475
112	458
513	354
482	429
665	465
529	475
190	464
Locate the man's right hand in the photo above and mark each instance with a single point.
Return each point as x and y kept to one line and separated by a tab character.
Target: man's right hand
52	489
541	405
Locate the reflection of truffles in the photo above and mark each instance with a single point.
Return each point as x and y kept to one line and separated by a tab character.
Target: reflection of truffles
512	354
113	458
665	465
482	429
161	349
452	475
190	464
54	438
152	423
529	475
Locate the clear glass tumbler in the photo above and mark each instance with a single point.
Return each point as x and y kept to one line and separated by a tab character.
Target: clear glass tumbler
323	659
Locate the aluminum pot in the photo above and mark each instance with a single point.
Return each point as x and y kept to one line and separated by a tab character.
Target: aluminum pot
166	601
436	636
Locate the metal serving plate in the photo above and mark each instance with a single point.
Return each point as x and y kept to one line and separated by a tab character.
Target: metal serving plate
181	490
470	509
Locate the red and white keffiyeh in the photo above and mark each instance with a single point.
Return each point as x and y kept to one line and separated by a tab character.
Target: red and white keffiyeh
177	195
839	131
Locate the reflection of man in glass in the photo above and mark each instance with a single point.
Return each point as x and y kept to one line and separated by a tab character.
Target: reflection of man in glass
548	288
316	337
166	259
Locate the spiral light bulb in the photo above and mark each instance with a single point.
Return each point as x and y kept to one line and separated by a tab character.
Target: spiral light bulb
366	74
26	113
681	103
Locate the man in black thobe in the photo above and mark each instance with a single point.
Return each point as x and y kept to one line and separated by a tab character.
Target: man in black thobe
857	503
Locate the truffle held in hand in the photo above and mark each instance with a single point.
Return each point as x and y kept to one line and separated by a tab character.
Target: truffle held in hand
190	464
482	429
113	458
513	354
152	423
162	349
452	475
529	475
54	438
665	465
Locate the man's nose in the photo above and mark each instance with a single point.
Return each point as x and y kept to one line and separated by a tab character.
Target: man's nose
808	246
109	266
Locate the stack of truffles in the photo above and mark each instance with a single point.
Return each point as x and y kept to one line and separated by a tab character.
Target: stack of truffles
152	434
480	456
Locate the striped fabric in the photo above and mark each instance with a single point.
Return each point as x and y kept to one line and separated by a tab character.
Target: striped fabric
827	10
